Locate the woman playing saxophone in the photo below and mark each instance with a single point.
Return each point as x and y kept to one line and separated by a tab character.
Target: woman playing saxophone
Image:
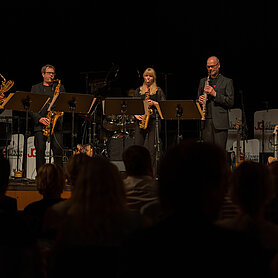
150	92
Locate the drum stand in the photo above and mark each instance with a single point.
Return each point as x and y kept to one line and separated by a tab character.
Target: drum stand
123	106
74	103
89	133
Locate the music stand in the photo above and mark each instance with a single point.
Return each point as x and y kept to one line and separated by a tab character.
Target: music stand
74	103
181	110
123	106
26	102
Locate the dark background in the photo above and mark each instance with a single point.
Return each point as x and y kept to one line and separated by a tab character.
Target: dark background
175	38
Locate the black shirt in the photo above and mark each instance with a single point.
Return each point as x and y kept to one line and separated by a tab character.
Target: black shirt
212	83
45	90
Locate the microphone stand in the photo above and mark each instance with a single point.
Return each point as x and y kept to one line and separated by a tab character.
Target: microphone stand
94	127
244	129
178	115
157	142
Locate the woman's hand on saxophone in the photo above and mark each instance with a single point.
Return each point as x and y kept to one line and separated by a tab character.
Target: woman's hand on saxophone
139	117
44	121
152	102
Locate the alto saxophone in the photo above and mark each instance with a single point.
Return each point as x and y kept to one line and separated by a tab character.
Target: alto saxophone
5	86
144	122
204	108
52	116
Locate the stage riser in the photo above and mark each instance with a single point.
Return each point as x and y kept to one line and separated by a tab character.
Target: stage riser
25	197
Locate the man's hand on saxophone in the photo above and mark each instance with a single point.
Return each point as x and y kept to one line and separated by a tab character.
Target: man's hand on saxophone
44	121
201	99
210	90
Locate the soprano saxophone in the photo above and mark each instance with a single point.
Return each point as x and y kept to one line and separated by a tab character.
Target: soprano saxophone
52	116
204	108
145	121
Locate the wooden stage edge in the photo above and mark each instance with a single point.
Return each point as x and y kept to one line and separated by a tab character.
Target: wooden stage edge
25	191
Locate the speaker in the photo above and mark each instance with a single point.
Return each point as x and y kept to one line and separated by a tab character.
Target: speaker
117	144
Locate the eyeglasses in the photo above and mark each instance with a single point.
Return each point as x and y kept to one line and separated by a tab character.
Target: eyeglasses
50	72
212	66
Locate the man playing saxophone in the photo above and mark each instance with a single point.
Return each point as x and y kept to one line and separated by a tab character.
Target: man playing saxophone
146	123
47	87
220	97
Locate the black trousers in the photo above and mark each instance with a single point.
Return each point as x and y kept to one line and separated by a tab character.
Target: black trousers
212	135
149	141
56	145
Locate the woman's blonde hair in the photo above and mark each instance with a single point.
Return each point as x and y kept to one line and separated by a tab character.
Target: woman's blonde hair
153	87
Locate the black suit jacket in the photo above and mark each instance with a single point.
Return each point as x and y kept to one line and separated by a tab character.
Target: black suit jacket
223	101
40	89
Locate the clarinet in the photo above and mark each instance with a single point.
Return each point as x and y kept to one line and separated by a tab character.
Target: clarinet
205	95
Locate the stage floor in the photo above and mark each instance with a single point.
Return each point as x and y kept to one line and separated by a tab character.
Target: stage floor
25	191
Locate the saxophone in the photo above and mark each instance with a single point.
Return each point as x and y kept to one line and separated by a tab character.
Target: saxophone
206	96
5	86
52	116
144	122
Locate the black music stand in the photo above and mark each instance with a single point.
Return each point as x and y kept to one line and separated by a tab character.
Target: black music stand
74	103
26	102
123	106
181	110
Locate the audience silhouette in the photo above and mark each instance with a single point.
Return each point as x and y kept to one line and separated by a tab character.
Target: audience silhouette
7	204
271	209
140	185
19	252
55	214
99	230
192	183
50	181
252	189
97	221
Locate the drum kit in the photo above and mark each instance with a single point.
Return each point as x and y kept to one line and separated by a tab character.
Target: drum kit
116	132
118	123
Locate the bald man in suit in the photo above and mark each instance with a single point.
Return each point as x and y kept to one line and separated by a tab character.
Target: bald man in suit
220	98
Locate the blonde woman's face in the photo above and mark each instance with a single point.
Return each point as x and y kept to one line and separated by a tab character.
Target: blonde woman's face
148	79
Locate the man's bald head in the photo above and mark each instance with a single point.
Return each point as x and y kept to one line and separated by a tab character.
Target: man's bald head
213	66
